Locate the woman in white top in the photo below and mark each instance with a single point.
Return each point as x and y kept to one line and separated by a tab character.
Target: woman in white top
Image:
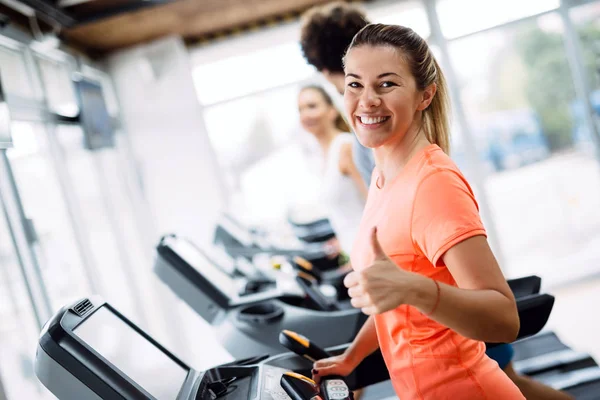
343	191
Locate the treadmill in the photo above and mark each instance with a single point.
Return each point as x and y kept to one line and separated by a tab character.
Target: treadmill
239	241
88	350
249	325
547	359
315	231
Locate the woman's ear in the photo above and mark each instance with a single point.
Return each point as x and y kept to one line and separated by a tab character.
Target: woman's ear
427	96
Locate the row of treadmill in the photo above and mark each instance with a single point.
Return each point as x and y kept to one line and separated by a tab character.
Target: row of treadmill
275	308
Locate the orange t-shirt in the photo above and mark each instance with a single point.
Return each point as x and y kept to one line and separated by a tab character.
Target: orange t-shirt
420	214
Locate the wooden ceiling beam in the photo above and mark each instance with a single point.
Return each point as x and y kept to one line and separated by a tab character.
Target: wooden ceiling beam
188	18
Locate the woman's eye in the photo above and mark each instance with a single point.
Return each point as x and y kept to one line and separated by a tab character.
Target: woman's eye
387	84
354	85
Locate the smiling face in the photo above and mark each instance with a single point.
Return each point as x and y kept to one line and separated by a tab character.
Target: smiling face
381	98
316	115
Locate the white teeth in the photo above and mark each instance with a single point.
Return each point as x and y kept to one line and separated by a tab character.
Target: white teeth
372	120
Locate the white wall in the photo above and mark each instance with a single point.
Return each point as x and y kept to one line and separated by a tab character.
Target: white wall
162	116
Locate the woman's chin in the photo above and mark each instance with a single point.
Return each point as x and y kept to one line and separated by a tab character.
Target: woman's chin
369	142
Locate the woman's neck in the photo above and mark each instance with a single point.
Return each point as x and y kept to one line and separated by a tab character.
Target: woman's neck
326	138
391	159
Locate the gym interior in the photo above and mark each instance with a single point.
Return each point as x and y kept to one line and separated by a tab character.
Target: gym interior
161	233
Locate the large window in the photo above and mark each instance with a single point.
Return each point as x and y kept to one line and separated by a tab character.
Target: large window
408	13
586	20
263	152
16	79
461	17
58	83
517	90
247	73
270	164
526	124
252	121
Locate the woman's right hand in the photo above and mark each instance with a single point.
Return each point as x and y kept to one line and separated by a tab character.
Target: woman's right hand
340	365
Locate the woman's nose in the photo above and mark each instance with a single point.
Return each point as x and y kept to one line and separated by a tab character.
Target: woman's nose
369	99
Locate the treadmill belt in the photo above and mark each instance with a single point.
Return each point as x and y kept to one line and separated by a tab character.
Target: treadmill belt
542	343
586	391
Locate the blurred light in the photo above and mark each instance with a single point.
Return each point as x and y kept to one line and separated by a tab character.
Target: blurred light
461	17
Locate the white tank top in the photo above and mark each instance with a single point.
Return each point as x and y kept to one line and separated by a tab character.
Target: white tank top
340	195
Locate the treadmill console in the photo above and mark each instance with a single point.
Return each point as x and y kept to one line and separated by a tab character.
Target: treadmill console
90	351
195	276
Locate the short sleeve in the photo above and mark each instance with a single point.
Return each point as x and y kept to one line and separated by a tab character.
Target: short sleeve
445	213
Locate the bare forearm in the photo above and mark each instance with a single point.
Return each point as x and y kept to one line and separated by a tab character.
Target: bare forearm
365	342
485	315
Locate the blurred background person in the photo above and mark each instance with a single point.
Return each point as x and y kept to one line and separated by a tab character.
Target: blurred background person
343	191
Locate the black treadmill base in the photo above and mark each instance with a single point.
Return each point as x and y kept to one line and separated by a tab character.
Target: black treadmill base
586	391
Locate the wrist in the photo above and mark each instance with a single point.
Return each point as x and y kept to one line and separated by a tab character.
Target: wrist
424	294
351	357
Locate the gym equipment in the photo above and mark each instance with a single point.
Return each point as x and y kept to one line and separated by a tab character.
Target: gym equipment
306	348
88	350
239	241
316	231
249	325
525	286
299	387
302	346
546	358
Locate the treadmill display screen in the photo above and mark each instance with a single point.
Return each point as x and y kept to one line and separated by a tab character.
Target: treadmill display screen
132	354
194	257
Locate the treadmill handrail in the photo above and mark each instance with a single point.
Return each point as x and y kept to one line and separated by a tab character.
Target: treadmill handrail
534	311
549	360
526	285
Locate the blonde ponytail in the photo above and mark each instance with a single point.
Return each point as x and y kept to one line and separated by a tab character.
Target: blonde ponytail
436	121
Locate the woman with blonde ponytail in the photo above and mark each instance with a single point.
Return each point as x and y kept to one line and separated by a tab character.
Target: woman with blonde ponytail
423	269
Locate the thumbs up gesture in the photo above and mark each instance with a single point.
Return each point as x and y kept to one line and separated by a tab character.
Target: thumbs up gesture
380	287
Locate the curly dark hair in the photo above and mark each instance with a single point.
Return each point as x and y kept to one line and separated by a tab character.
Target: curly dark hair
326	33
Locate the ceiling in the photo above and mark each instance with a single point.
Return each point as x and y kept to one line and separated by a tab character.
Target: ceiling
99	27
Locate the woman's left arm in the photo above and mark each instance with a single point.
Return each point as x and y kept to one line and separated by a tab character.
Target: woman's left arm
482	307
